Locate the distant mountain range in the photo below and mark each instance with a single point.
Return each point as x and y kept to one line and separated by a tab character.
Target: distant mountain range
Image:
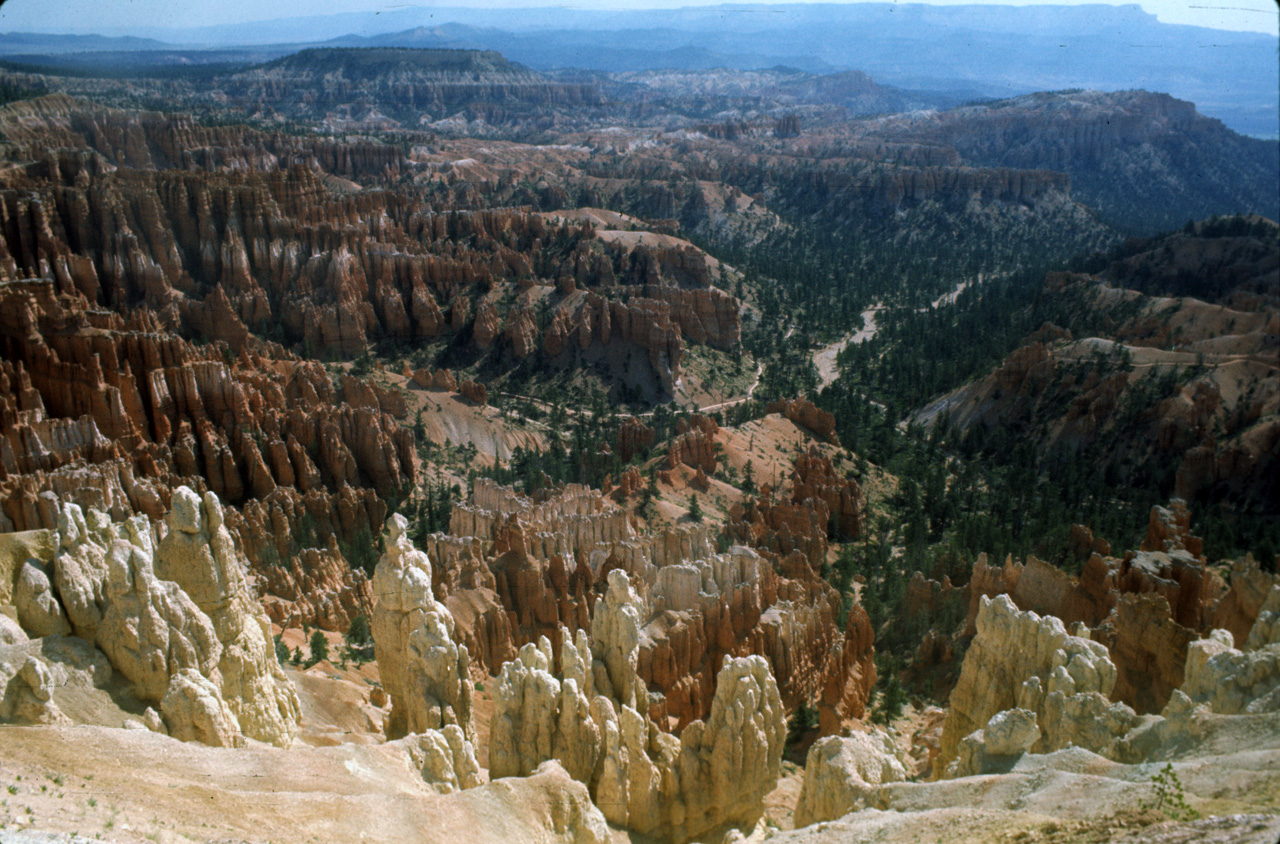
970	51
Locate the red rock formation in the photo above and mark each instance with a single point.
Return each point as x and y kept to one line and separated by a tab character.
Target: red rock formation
1149	649
1084	544
474	391
694	444
633	437
630	482
1169	530
317	589
135	410
850	675
800	522
804	412
539	596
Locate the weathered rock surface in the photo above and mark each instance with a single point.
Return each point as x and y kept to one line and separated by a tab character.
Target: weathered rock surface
798	522
615	642
1234	681
28	696
195	711
1145	607
199	555
550	561
424	670
840	773
445	757
543	710
11	632
715	774
152	629
1019	660
1011	732
39	610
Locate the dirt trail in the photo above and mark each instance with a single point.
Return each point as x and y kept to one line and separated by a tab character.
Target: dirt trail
825	358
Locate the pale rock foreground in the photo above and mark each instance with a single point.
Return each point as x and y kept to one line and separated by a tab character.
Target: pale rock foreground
195	711
154	788
156	610
152	630
1228	771
198	554
1020	660
540	715
424	668
715	774
840	773
1233	682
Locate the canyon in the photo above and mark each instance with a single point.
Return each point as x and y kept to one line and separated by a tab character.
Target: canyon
400	443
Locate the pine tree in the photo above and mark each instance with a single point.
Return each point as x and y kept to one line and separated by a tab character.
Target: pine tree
319	647
695	509
359	640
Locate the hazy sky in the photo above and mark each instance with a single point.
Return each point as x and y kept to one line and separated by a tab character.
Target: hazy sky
115	16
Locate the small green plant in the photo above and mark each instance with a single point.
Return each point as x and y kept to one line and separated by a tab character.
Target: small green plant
359	640
93	801
1170	797
695	509
802	721
319	648
13	789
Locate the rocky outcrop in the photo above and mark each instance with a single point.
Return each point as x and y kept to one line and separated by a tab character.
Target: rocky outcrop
1232	681
543	710
1146	607
840	773
425	671
194	710
634	437
694	444
1169	531
199	555
11	632
179	606
803	412
556	563
723	767
1011	732
39	611
1148	648
615	638
446	759
117	413
1019	660
153	630
317	589
80	568
715	774
28	696
798	522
